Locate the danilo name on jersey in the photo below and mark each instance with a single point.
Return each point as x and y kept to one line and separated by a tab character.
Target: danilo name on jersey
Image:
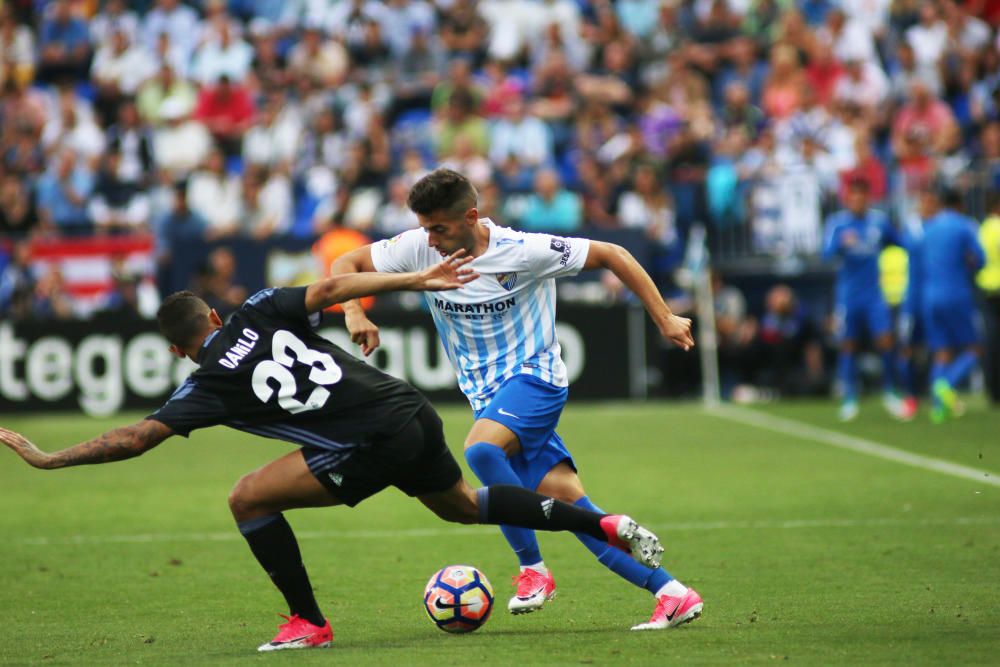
241	349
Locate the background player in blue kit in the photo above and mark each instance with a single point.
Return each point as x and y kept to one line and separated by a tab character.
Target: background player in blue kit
856	236
951	256
499	334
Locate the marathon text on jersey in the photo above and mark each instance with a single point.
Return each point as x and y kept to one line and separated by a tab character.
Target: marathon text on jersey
477	308
241	349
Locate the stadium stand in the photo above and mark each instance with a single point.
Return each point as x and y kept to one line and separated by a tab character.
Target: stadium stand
186	126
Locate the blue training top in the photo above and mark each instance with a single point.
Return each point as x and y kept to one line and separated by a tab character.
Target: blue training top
951	256
858	242
912	238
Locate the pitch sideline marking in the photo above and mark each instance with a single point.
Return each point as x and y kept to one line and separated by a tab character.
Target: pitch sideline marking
791	524
826	436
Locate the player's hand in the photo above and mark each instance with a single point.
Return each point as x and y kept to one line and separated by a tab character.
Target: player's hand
451	273
24	448
363	331
678	331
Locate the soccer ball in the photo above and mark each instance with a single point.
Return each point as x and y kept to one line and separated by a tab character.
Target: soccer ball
458	598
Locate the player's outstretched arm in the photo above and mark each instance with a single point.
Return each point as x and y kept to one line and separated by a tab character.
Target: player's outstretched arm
620	262
451	273
363	331
125	442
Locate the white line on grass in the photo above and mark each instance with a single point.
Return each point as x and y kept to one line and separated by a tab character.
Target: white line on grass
836	439
144	538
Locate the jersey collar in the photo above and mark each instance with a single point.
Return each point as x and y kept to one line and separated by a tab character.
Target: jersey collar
208	339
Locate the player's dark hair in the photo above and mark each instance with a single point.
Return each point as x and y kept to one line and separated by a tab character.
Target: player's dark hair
859	183
951	197
442	190
182	317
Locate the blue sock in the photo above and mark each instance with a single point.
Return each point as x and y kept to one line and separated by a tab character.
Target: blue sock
904	374
491	466
888	367
957	370
937	373
847	372
620	562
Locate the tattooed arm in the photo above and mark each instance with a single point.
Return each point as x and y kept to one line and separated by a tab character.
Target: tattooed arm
118	444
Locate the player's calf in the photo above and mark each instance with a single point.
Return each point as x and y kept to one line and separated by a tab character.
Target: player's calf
515	506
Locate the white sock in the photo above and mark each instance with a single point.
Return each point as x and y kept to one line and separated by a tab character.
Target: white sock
673	588
537	567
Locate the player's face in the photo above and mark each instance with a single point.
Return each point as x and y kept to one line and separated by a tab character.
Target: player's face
447	233
857	200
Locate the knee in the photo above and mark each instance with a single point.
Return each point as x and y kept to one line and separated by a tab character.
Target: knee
464	515
482	454
463	510
567	493
241	499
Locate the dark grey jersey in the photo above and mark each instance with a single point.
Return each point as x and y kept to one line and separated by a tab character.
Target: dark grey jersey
268	372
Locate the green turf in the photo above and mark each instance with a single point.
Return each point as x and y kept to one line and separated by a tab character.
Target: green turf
803	552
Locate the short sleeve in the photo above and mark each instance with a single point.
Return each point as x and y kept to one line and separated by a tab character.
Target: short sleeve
555	256
287	304
831	240
399	254
190	407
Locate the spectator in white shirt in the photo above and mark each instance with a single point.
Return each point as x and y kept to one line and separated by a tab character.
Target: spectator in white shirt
905	70
167	53
113	16
227	56
872	14
401	19
929	38
849	39
177	20
267	203
323	60
648	207
275	139
72	128
119	68
180	144
968	33
216	196
519	142
862	84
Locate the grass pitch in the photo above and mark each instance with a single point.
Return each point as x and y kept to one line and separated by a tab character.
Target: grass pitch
804	552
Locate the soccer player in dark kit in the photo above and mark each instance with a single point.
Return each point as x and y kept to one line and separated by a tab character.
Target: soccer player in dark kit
359	430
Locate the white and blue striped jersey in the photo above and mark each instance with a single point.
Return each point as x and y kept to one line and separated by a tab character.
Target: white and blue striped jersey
503	323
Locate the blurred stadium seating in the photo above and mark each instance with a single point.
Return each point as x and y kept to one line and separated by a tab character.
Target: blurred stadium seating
139	137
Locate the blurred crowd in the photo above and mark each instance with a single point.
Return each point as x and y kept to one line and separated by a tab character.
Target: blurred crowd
215	119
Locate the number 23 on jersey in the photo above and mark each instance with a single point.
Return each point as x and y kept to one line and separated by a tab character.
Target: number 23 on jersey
287	350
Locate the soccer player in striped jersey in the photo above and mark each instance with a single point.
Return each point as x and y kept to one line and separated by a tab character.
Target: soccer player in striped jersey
499	334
